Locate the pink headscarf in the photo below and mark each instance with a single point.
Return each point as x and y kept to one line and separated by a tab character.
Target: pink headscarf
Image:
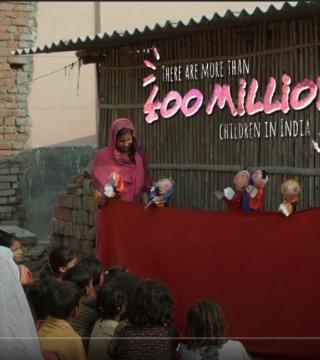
135	175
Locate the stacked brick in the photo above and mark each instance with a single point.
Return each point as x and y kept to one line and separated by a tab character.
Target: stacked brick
73	224
12	212
17	29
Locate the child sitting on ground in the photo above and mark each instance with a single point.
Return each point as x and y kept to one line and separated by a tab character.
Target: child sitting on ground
148	324
112	302
14	244
207	330
56	332
60	260
83	323
37	294
94	267
112	272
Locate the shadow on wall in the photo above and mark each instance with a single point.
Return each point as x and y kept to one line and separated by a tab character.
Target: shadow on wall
46	173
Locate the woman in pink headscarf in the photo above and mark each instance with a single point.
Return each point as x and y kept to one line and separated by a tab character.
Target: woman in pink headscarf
122	156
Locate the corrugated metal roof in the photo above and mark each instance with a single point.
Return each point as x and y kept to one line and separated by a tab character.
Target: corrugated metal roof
103	40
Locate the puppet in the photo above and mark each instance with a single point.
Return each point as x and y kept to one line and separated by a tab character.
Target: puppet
234	198
115	186
160	193
290	190
256	190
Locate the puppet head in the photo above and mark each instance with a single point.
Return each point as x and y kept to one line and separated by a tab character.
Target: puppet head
290	189
241	180
164	185
260	178
114	186
161	192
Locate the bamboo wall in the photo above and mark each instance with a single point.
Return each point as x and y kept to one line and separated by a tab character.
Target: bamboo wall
189	149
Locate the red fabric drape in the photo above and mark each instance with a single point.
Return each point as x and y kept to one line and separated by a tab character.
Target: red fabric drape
262	268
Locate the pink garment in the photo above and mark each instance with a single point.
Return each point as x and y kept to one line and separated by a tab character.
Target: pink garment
136	176
25	275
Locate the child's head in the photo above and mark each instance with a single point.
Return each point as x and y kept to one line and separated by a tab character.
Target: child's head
152	304
113	272
61	259
39	293
205	319
81	277
111	301
13	243
64	300
95	270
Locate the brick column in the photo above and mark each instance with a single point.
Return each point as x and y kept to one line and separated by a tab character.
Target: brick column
17	29
12	212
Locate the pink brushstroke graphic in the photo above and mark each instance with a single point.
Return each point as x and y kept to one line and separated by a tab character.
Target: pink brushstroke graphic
318	100
286	80
150	107
241	95
171	96
190	95
148	80
303	85
221	95
155	53
252	107
268	105
315	146
297	98
149	64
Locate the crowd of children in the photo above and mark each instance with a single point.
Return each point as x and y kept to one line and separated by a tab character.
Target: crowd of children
82	311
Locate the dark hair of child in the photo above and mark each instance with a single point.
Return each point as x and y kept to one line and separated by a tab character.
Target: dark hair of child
152	304
38	294
7	239
94	268
113	272
65	297
10	240
111	300
78	275
59	257
205	320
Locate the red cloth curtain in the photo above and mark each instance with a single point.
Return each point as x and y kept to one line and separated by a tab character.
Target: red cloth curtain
262	268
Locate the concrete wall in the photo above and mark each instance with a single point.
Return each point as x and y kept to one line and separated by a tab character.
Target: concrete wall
60	113
46	173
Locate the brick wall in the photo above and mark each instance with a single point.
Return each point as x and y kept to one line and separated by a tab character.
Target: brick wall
73	224
17	29
12	212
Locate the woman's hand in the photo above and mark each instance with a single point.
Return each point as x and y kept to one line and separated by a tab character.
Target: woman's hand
103	200
100	198
145	198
